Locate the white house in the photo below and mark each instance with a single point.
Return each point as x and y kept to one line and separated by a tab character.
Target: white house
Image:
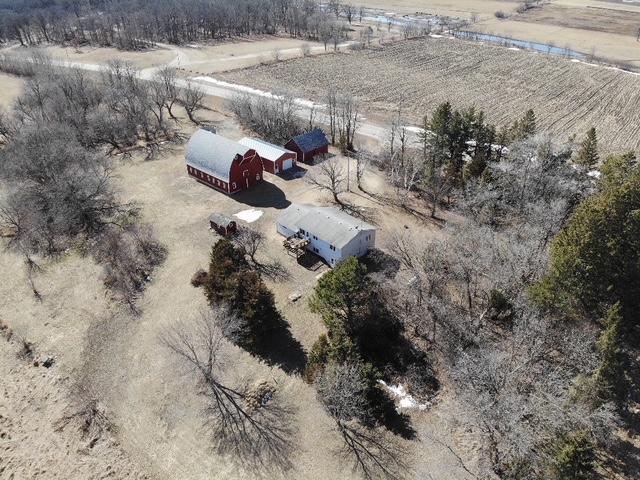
332	234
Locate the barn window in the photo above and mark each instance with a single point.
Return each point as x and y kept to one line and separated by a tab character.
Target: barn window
257	176
233	185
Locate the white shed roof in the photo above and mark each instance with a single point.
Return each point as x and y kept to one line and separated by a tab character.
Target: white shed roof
213	153
266	150
327	223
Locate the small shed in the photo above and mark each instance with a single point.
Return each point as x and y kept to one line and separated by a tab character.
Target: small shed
221	163
222	224
309	145
275	159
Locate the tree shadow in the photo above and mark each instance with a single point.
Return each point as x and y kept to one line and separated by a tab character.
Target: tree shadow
366	214
264	444
274	270
623	459
280	348
264	195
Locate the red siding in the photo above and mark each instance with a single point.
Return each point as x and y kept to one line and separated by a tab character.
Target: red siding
308	156
269	166
244	173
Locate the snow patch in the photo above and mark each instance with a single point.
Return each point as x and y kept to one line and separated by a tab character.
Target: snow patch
594	173
405	400
249	216
254	91
514	48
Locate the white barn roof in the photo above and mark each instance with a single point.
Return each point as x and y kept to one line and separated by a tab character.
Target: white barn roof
213	153
266	150
327	223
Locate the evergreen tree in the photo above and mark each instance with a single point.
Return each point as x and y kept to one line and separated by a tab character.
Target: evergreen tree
616	169
610	377
595	260
574	457
232	282
528	125
588	153
342	298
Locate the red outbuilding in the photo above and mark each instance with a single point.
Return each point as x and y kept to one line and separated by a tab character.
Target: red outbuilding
222	224
309	145
221	163
275	159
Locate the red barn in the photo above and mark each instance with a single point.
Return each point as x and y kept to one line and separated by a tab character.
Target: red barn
309	145
275	159
221	163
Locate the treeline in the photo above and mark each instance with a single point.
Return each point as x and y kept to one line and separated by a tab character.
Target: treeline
531	300
134	24
55	164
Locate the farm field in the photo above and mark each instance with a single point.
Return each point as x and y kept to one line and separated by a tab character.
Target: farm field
568	97
608	27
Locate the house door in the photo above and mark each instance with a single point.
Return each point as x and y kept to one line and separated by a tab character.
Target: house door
275	168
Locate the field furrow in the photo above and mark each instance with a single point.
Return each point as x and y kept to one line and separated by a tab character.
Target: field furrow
568	97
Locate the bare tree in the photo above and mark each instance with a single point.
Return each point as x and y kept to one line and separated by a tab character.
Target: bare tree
275	119
250	241
362	165
167	77
129	257
191	98
330	178
347	119
248	423
404	170
343	390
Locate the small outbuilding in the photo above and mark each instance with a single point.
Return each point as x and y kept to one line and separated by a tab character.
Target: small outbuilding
221	163
275	159
222	224
309	145
328	232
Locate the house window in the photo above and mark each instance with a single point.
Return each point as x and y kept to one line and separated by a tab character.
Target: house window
332	260
316	250
332	247
302	232
257	176
233	185
315	238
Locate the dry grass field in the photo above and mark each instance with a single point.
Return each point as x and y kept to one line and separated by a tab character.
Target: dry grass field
10	88
568	97
106	353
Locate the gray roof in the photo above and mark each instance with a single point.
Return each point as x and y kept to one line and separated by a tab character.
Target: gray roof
220	219
327	223
266	150
311	140
213	153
